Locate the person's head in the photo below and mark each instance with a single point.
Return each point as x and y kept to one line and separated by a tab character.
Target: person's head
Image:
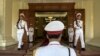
54	30
78	16
31	25
70	25
22	16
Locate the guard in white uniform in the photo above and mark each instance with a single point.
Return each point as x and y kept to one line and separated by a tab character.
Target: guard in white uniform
21	25
54	48
70	34
78	24
31	33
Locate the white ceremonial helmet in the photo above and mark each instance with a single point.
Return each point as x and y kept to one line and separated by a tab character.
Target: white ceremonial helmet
54	27
78	14
22	14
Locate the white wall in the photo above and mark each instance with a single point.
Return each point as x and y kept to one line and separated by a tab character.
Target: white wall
96	40
2	9
6	23
15	11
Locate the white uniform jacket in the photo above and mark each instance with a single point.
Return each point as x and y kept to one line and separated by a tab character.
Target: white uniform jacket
78	24
70	34
70	31
31	31
54	48
22	25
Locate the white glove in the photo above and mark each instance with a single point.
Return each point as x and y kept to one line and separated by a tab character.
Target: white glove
27	33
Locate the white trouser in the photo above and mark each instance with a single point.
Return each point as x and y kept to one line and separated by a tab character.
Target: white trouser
30	36
70	36
20	33
79	35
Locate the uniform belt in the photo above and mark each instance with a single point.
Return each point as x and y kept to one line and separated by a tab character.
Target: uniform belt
30	31
20	28
78	28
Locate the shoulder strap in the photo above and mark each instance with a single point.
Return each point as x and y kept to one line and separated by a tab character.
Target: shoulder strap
69	51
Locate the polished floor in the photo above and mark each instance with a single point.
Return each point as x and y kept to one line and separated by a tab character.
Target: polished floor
36	44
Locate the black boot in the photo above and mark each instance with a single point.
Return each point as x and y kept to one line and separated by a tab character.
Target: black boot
22	46
74	47
83	49
19	49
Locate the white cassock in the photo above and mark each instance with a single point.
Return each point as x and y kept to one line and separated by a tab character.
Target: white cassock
70	34
79	33
31	33
54	48
20	31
